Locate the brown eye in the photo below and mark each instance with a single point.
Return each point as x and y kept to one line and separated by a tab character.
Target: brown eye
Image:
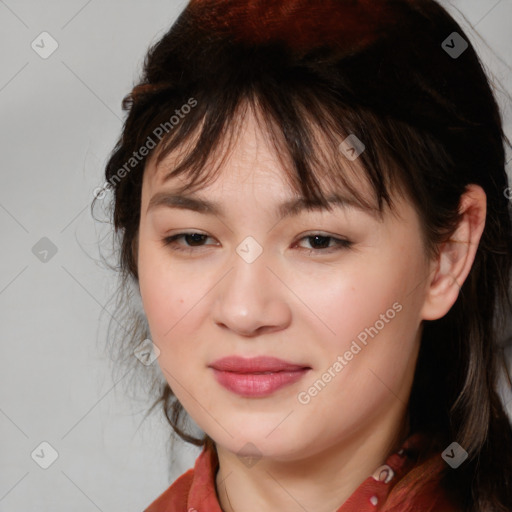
191	240
319	243
322	243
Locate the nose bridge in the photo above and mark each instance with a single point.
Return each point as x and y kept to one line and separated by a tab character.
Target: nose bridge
250	269
250	297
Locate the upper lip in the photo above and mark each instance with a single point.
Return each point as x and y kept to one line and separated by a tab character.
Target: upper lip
239	364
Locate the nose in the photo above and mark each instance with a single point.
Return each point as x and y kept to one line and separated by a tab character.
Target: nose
251	299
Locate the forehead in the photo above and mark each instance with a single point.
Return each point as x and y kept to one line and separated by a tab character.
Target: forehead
248	165
247	158
245	154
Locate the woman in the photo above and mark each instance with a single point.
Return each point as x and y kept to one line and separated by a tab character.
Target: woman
310	197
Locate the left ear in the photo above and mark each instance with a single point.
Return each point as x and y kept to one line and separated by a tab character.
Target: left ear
456	256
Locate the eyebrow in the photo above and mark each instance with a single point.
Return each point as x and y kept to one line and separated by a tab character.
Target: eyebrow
289	208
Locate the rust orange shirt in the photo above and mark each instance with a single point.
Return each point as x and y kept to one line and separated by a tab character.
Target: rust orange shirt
195	490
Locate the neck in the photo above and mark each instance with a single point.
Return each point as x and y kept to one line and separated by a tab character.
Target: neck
320	482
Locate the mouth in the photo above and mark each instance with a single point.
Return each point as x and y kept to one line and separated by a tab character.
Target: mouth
256	377
256	365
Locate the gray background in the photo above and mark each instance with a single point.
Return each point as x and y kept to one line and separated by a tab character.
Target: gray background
60	117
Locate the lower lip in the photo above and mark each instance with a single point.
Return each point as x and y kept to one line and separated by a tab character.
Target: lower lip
257	384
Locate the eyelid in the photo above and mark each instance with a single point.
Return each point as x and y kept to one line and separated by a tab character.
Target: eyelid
171	238
340	242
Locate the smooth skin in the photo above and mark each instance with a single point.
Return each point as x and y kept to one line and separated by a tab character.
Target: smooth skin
300	301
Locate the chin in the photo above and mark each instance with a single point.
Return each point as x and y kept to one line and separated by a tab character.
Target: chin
257	444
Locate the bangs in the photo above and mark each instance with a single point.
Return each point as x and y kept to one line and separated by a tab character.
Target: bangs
307	139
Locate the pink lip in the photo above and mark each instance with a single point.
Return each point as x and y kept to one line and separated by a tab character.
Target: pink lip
245	377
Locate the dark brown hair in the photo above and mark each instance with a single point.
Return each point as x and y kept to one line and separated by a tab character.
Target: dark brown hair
431	126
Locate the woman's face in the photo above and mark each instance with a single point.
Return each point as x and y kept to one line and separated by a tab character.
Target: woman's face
261	284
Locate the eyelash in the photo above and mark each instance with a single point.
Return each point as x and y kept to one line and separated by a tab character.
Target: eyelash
341	243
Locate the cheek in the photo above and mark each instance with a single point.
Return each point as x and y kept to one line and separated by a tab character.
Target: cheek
371	315
346	302
380	337
173	297
163	286
161	290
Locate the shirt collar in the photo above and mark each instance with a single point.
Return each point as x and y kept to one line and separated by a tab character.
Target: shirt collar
369	496
195	490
